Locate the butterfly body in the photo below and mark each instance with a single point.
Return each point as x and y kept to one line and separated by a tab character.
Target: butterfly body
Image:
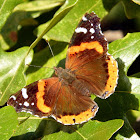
68	78
89	69
65	75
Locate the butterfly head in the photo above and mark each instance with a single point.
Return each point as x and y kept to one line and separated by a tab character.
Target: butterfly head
64	75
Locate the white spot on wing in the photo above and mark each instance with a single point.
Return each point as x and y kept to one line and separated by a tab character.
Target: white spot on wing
99	26
92	37
14	97
92	30
101	33
36	115
32	103
81	29
24	93
53	117
84	18
29	112
44	117
20	103
26	104
23	111
105	39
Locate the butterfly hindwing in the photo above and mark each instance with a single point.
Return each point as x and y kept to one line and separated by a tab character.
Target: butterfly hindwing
71	107
87	56
48	97
89	70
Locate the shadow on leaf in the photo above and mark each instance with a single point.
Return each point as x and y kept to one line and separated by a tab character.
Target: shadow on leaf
117	105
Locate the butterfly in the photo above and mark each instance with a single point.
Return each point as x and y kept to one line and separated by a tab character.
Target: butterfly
89	69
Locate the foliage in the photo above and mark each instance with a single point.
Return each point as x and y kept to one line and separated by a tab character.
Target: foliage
22	22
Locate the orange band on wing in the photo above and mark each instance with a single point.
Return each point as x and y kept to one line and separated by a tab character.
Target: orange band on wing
113	75
90	45
39	95
77	119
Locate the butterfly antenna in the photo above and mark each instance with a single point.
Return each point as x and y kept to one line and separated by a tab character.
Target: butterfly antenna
38	66
51	51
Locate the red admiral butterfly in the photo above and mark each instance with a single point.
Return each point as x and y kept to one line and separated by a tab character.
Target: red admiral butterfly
89	70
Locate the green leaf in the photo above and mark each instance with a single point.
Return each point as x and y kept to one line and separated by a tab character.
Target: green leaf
39	6
137	75
9	32
47	128
6	7
133	137
93	130
126	132
11	73
65	28
44	58
29	128
109	4
127	95
136	1
32	127
8	122
23	15
125	51
57	17
111	111
132	10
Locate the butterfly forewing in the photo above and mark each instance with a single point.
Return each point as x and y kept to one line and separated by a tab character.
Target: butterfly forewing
89	70
37	98
87	56
49	98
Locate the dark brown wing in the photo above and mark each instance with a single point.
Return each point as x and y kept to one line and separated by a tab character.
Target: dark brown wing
37	98
88	58
49	98
99	75
72	107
